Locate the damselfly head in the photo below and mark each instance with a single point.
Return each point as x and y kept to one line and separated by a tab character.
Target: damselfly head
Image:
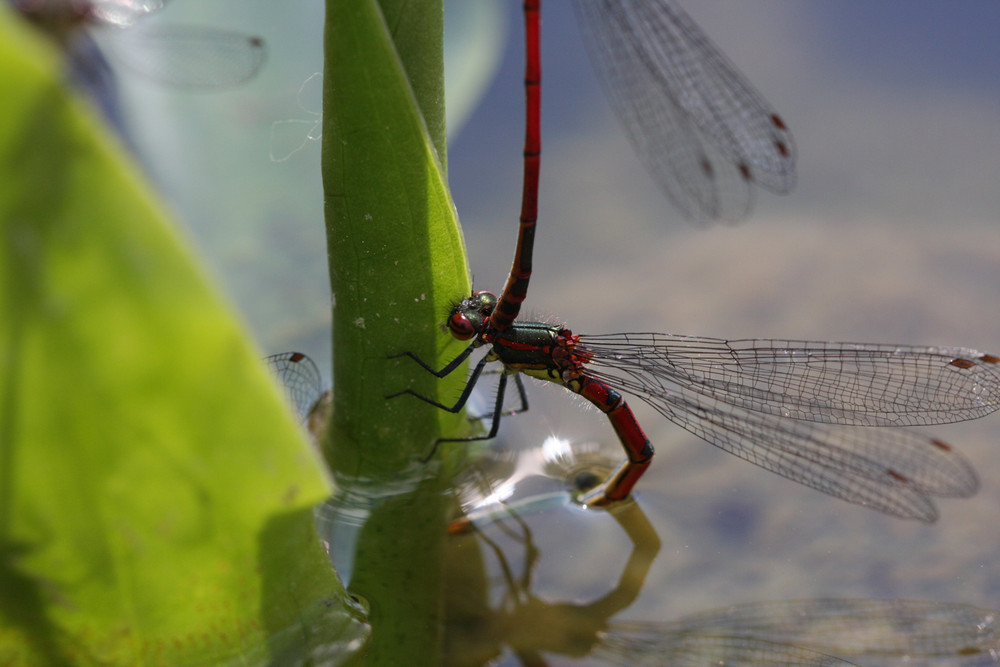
469	317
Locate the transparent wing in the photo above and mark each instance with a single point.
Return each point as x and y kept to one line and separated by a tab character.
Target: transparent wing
893	471
837	383
188	56
777	404
849	629
301	378
700	128
641	646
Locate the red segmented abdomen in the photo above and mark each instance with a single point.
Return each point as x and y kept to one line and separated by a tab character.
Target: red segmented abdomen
611	403
637	446
516	288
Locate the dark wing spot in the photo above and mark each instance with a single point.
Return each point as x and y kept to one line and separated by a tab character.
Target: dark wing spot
944	446
706	168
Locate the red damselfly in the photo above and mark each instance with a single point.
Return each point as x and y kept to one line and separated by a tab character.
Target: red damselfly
792	407
185	56
781	404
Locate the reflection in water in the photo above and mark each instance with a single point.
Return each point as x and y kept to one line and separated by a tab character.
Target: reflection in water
526	481
794	632
341	519
504	489
815	632
476	632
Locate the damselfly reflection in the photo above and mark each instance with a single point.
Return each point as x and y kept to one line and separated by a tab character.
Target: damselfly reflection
522	482
809	632
477	633
814	632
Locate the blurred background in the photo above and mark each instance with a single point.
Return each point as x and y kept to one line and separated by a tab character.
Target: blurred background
892	235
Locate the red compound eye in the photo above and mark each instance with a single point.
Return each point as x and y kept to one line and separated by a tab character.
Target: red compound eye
460	327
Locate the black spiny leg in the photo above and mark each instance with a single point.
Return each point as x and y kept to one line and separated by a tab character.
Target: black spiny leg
466	392
444	372
469	386
522	394
494	426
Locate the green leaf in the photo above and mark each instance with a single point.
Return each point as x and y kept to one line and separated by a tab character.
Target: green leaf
155	491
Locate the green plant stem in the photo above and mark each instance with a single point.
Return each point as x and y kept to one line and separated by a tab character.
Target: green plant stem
397	261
